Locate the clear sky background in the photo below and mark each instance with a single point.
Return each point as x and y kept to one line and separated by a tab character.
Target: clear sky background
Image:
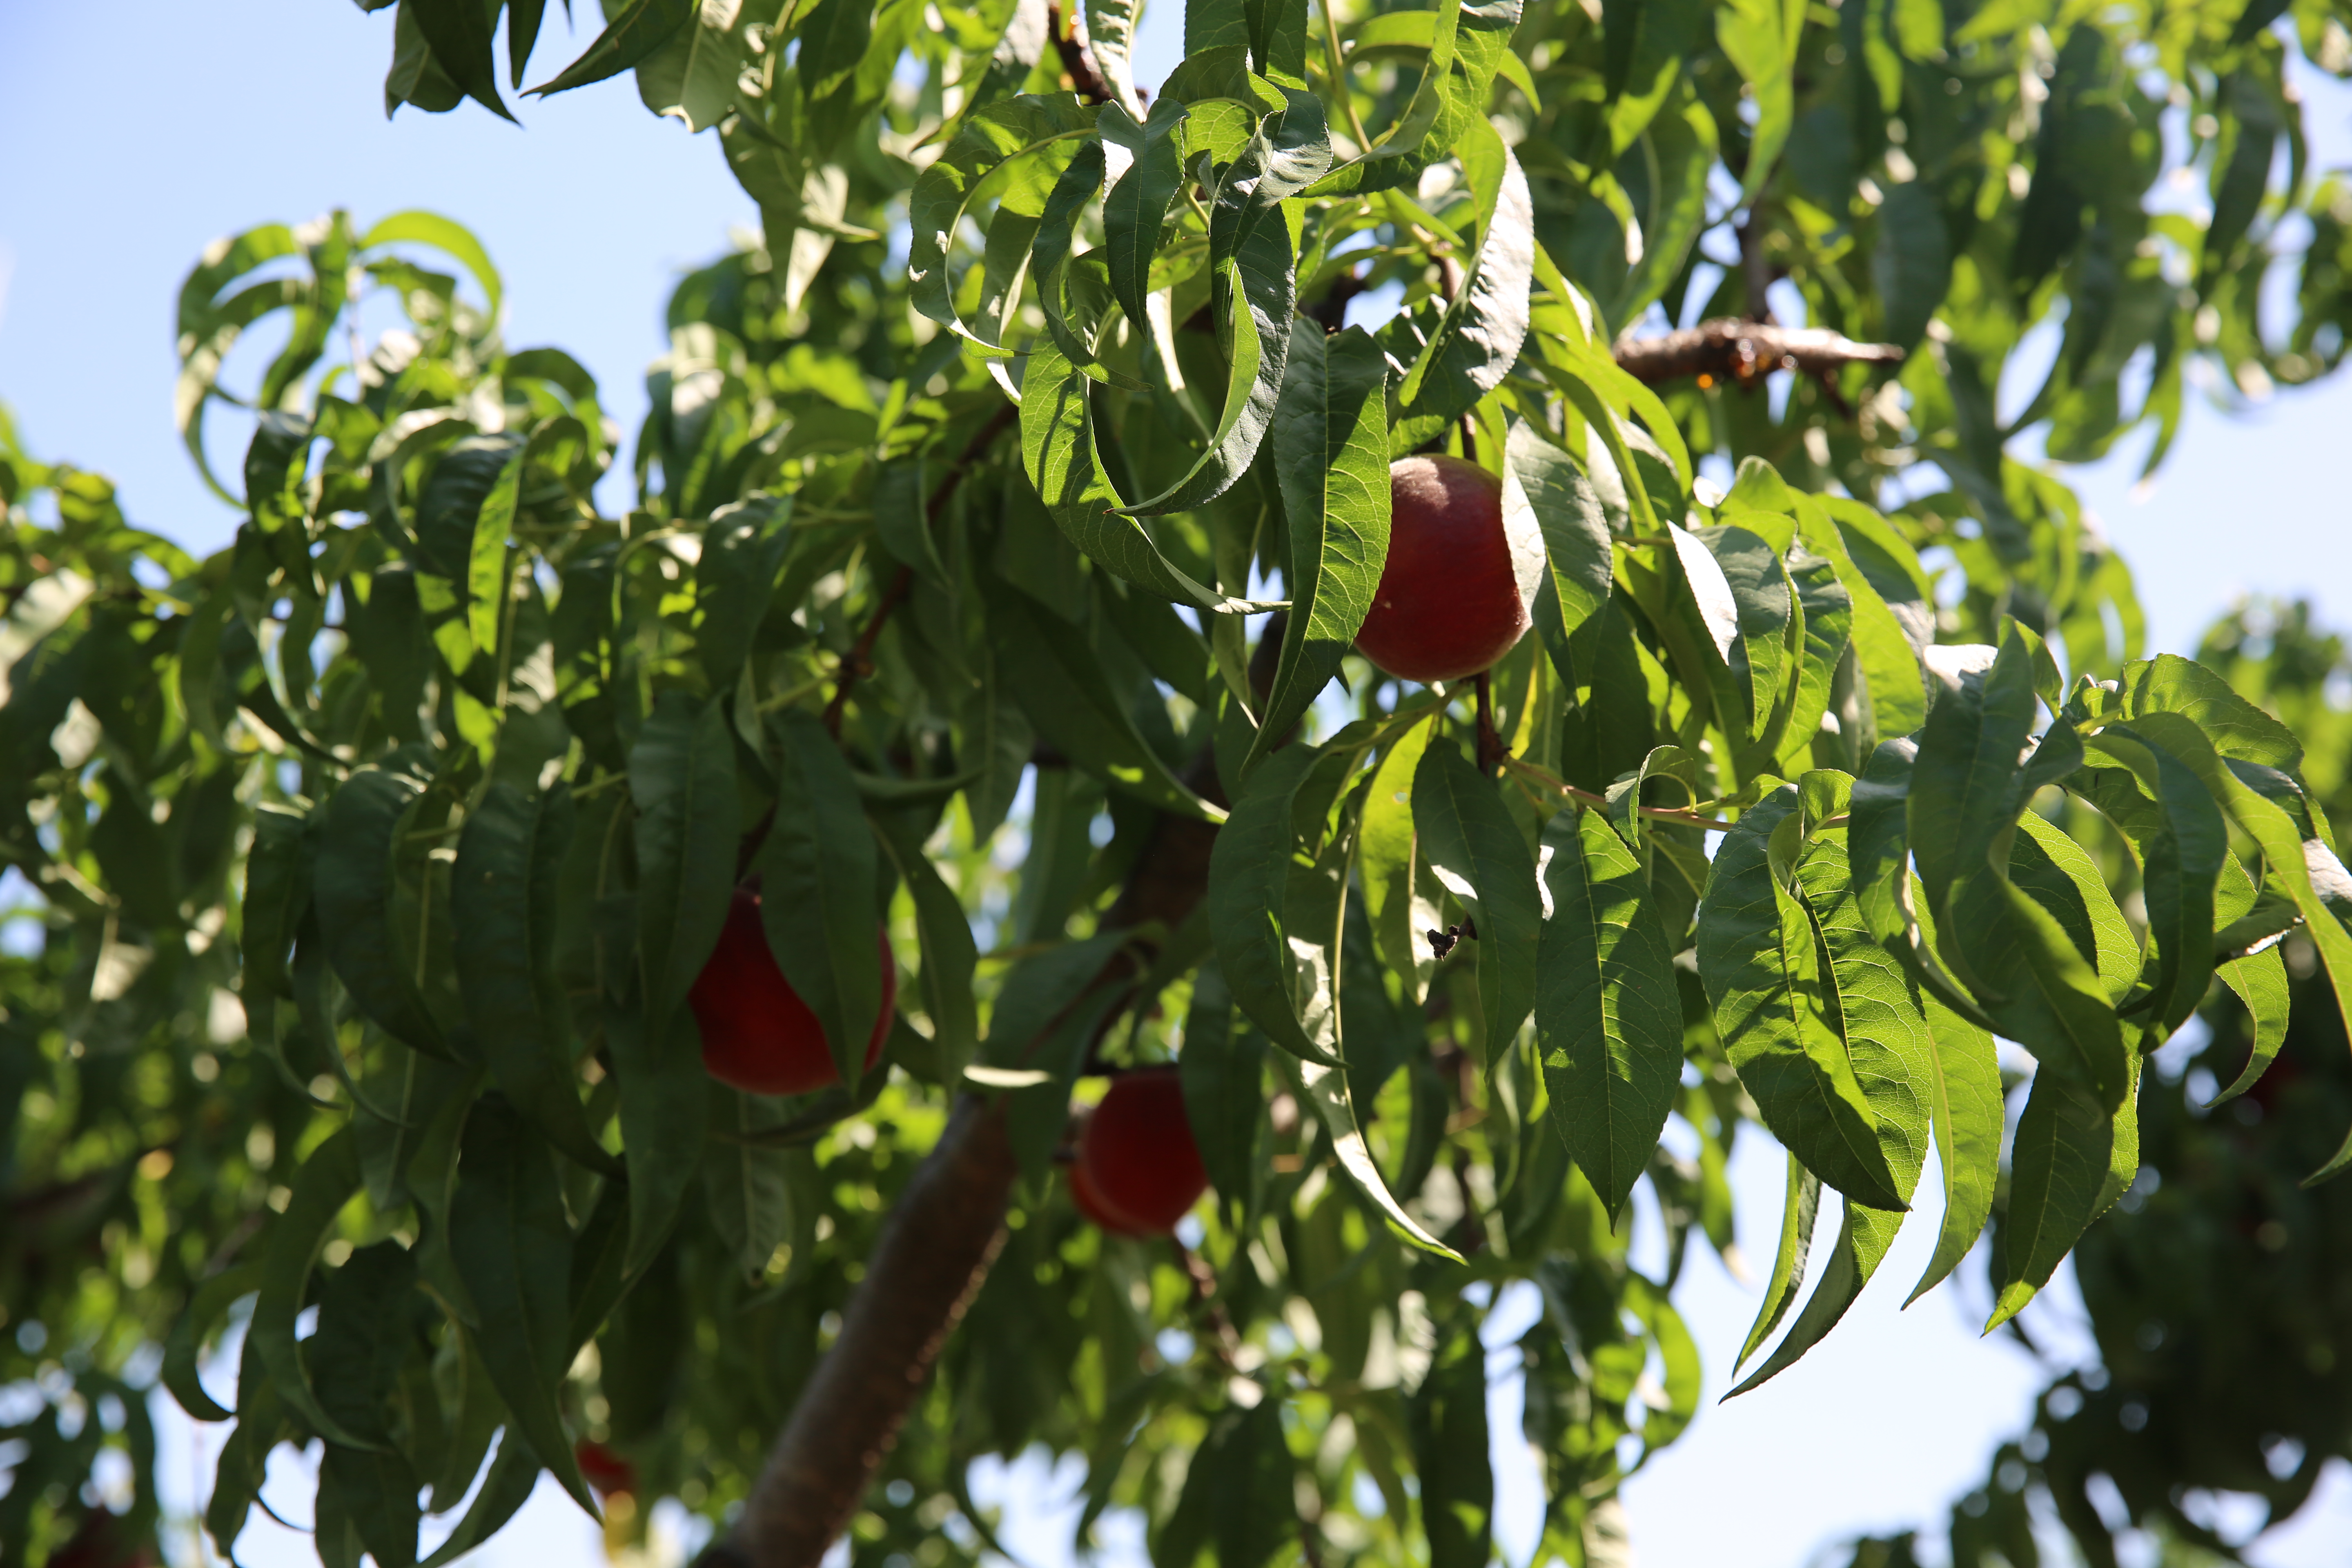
136	132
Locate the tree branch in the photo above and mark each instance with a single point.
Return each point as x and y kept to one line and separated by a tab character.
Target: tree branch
1075	63
1745	353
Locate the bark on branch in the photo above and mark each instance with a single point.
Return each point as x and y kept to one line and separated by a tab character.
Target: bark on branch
1745	353
1077	63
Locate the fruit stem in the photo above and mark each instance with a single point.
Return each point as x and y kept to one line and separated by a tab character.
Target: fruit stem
1493	751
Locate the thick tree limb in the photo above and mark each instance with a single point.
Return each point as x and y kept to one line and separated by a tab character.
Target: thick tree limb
933	1255
1746	352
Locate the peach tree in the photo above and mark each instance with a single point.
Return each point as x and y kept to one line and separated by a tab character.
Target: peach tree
989	575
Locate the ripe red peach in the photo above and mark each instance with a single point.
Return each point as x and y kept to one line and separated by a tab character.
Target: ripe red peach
758	1035
1449	601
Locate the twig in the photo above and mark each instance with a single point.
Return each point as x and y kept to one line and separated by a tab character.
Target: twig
859	658
1745	353
1756	272
1080	68
1224	1340
1340	77
1493	751
1558	785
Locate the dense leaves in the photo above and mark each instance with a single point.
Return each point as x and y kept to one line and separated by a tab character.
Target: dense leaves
375	858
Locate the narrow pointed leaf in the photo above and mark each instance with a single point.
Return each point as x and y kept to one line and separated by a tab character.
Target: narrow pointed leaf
1477	853
1607	1012
1331	455
816	890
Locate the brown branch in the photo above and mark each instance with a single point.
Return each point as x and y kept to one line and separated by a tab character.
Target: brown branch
859	660
1745	353
933	1255
1075	63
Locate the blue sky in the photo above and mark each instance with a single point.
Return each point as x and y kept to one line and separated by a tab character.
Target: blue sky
138	132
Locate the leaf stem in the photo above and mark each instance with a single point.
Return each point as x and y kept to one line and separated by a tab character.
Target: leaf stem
1339	78
1558	785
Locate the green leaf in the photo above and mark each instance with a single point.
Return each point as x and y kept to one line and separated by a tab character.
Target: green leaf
1110	35
1861	1245
682	777
1249	877
1478	339
1873	1006
505	1488
1239	1505
1330	455
1827	615
1759	959
1759	38
1762	660
1911	266
2072	1160
204	1308
1967	1112
1797	1214
2259	980
351	891
1579	556
1223	1073
485	568
327	1181
1450	1444
2182	857
1400	895
1036	133
818	891
949	952
1255	290
1325	1088
691	77
1050	1010
1135	209
2287	857
375	1493
1063	688
1967	794
503	903
2234	727
1477	853
459	32
278	873
355	1359
1607	1012
631	38
747	1185
1889	664
1391	158
1058	447
743	549
513	1248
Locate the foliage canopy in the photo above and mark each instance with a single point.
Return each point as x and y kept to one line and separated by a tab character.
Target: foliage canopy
376	853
